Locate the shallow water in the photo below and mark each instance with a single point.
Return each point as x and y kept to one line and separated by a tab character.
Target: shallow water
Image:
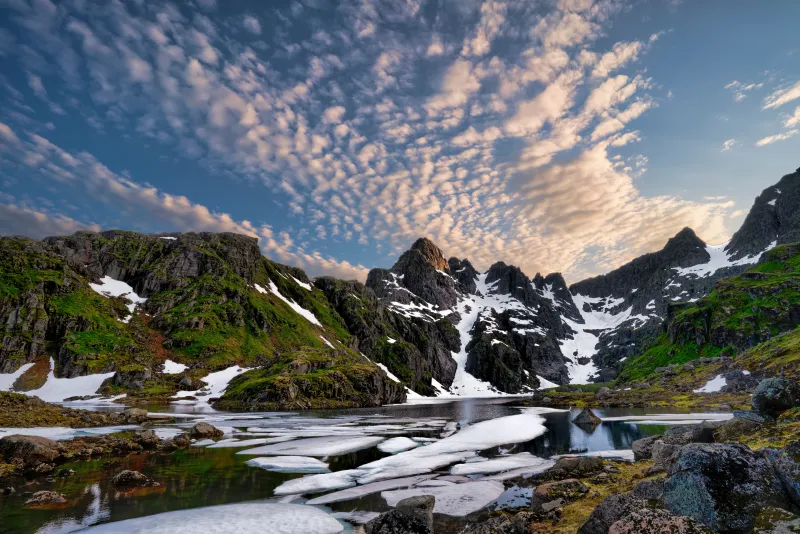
203	477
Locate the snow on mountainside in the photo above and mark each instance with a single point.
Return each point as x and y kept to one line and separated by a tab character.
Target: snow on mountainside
517	333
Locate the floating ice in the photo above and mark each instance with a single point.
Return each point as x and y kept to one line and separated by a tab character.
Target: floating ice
323	446
397	445
242	518
668	418
61	433
368	489
173	368
358	517
108	287
458	500
622	454
233	443
320	483
203	443
290	464
495	465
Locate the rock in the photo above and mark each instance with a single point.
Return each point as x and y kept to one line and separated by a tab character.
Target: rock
147	439
751	416
31	453
776	521
587	417
9	490
45	497
774	396
734	429
517	524
205	431
131	478
410	516
649	490
180	441
723	486
602	393
737	381
662	453
575	467
552	495
649	521
643	448
135	415
786	464
612	509
702	433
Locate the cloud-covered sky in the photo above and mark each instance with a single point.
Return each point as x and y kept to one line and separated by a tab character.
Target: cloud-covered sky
558	135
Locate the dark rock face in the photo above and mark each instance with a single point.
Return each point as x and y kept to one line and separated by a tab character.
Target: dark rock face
518	524
723	486
643	448
205	431
774	396
773	217
612	509
411	516
786	464
425	272
648	521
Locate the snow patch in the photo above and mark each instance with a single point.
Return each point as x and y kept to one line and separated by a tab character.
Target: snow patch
714	385
108	287
58	389
719	259
7	379
310	317
173	368
301	284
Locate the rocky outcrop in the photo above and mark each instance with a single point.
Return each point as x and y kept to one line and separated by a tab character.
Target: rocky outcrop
413	515
587	417
774	396
30	453
551	495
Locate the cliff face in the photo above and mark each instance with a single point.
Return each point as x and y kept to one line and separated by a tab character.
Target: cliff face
205	300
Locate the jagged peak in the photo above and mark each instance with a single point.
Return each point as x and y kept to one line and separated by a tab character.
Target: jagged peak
429	252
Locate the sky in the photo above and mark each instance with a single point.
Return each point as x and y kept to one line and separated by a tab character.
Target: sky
557	135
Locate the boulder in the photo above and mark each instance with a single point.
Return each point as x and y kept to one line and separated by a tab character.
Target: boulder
734	429
774	396
649	490
551	495
31	453
205	431
786	464
587	417
662	453
517	524
135	415
612	509
643	448
602	393
650	521
575	467
147	439
410	516
723	486
776	521
45	497
131	478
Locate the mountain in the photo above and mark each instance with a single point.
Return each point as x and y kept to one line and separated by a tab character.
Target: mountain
206	318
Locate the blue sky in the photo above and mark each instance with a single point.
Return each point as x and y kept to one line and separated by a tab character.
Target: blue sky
562	135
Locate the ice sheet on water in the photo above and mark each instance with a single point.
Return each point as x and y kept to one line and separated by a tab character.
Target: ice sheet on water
60	432
233	443
203	443
504	463
368	489
320	483
521	472
622	454
290	464
458	500
397	445
323	446
667	418
357	517
243	518
167	432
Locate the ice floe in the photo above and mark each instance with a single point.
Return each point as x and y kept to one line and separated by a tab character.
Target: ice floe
322	446
320	483
503	463
233	443
458	500
290	464
61	433
369	489
242	518
671	418
394	445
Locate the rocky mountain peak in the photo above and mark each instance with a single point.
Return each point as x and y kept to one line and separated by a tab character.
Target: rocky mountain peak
774	217
684	249
432	254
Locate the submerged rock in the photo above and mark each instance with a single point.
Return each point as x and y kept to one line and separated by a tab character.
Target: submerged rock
131	478
410	516
205	431
587	417
45	497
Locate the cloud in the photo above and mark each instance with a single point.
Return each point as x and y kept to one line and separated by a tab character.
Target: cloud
551	104
459	82
782	96
20	220
251	24
777	137
727	145
793	120
621	54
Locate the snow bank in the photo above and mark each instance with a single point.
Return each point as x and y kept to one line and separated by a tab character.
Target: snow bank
719	259
108	287
173	368
243	518
714	385
7	379
58	389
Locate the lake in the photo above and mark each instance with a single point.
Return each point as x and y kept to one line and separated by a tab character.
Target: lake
202	476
